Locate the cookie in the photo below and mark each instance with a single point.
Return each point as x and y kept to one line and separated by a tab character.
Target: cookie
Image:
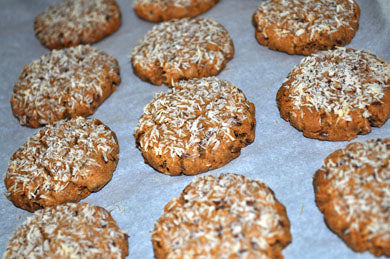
68	231
229	216
63	162
74	22
352	191
182	49
164	10
200	127
336	94
64	84
306	26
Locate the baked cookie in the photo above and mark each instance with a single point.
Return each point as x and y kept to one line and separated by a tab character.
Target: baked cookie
163	10
337	94
75	22
306	26
352	191
182	49
229	216
200	127
69	231
64	84
63	162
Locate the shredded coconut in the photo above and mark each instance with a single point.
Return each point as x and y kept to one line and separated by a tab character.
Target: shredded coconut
57	155
359	180
177	44
61	82
338	81
222	216
67	231
201	113
296	17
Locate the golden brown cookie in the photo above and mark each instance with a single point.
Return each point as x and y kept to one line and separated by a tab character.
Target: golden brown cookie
75	22
182	49
336	94
163	10
64	84
229	216
200	127
306	26
63	162
69	231
352	190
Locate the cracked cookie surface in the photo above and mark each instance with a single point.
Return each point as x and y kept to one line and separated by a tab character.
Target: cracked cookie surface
200	126
68	231
336	94
225	216
306	26
74	22
352	191
64	84
182	49
63	162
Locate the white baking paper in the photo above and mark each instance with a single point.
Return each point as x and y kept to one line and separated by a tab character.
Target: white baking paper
136	195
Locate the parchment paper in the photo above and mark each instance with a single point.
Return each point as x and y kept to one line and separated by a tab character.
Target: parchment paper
136	195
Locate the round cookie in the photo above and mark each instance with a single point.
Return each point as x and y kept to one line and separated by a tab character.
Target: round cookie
75	22
352	191
306	26
64	84
69	231
163	10
63	162
336	94
182	49
200	127
229	216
